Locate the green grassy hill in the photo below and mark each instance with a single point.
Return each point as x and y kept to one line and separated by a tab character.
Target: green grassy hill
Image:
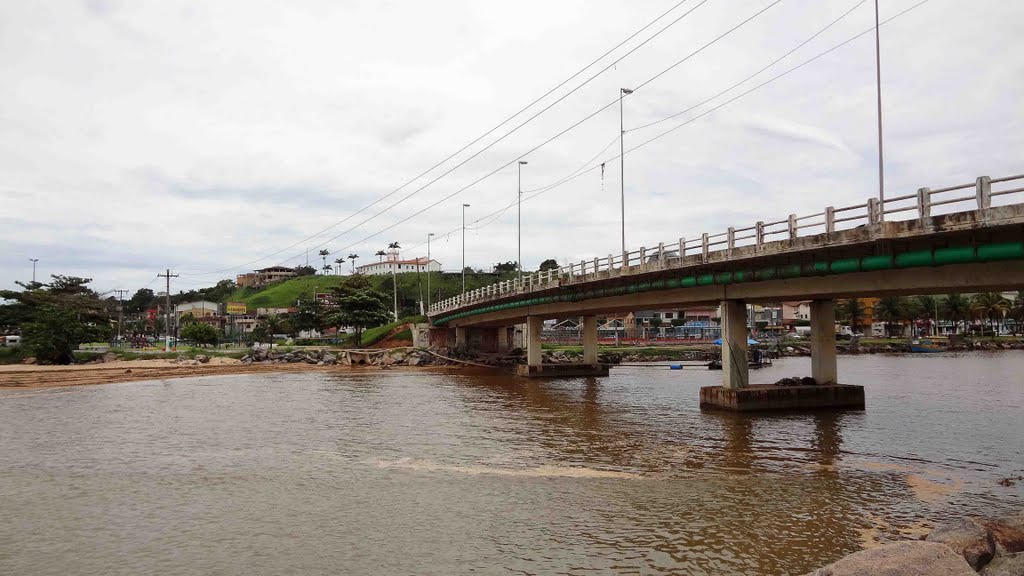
411	289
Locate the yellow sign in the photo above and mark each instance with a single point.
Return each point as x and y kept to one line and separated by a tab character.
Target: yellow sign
236	308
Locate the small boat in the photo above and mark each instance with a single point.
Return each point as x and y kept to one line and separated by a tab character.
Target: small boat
925	345
675	366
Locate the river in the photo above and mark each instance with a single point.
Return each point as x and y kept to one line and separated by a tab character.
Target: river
402	472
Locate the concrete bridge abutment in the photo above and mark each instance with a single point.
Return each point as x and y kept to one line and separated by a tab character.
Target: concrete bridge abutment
535	367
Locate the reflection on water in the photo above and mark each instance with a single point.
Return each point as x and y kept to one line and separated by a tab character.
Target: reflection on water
419	473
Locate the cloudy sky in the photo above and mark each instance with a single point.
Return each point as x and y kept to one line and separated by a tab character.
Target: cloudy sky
215	137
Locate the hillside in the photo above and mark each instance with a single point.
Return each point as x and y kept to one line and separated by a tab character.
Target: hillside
410	288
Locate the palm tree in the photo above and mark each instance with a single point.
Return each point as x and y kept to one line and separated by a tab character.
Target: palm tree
957	308
353	257
394	246
327	269
381	254
324	254
851	311
891	310
339	262
924	308
991	305
1017	312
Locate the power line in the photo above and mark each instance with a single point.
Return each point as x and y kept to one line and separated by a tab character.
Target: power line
546	189
769	65
549	140
491	131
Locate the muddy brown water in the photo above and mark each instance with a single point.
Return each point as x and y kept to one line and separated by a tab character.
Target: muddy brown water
427	473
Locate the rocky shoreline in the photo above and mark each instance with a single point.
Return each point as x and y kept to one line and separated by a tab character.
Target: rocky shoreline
974	545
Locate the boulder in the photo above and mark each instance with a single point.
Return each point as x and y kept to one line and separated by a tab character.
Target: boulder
202	358
1008	535
330	359
29	360
966	537
1005	565
109	357
911	558
414	361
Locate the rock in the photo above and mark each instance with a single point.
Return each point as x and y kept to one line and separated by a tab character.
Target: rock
911	558
128	371
413	361
386	360
29	360
966	537
1008	537
109	357
202	358
330	359
1005	565
246	358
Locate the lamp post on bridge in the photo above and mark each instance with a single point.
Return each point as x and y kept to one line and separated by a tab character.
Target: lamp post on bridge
429	235
519	208
878	86
34	260
622	166
464	206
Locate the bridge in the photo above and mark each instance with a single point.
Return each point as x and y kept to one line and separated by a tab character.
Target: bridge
961	238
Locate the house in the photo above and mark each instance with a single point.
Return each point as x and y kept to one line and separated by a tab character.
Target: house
198	309
392	264
264	276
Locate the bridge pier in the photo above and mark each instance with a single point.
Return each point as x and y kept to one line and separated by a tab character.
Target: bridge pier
589	339
503	339
823	342
461	337
735	373
737	394
535	368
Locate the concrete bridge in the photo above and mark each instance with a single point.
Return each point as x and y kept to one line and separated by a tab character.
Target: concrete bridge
961	238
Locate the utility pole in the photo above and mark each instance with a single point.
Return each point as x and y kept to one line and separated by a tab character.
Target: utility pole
167	327
622	169
464	206
428	270
878	85
34	260
519	258
394	285
120	311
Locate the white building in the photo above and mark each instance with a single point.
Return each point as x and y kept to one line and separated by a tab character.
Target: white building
200	309
393	264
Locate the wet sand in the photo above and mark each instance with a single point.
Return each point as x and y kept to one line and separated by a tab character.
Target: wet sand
33	376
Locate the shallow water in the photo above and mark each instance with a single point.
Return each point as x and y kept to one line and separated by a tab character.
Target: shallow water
390	472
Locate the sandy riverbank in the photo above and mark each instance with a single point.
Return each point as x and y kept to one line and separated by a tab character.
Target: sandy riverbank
32	376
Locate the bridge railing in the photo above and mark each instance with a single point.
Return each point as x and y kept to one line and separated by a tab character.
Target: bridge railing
922	204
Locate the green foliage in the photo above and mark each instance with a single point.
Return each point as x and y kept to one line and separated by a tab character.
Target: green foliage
851	312
549	264
957	308
358	305
202	334
509	266
56	318
142	300
891	310
374	335
310	316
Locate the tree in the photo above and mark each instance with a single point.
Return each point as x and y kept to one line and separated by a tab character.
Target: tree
310	316
305	271
339	262
353	258
141	301
260	333
381	254
891	310
503	267
549	264
201	334
1017	312
56	318
327	269
850	311
324	254
358	305
990	305
187	318
957	309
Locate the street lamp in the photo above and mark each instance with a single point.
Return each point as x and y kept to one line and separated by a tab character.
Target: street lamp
34	260
519	258
428	270
464	206
878	86
622	168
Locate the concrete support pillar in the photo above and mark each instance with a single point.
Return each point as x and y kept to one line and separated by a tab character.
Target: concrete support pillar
503	339
823	342
461	337
734	344
590	339
534	325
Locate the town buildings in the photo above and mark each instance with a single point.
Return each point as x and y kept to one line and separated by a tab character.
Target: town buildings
393	264
264	276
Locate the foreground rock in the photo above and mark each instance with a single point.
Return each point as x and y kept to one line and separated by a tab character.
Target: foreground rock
966	537
900	559
1008	565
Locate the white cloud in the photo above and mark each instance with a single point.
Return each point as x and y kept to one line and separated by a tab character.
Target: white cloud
140	135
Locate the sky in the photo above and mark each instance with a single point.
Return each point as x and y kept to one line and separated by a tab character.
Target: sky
212	138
